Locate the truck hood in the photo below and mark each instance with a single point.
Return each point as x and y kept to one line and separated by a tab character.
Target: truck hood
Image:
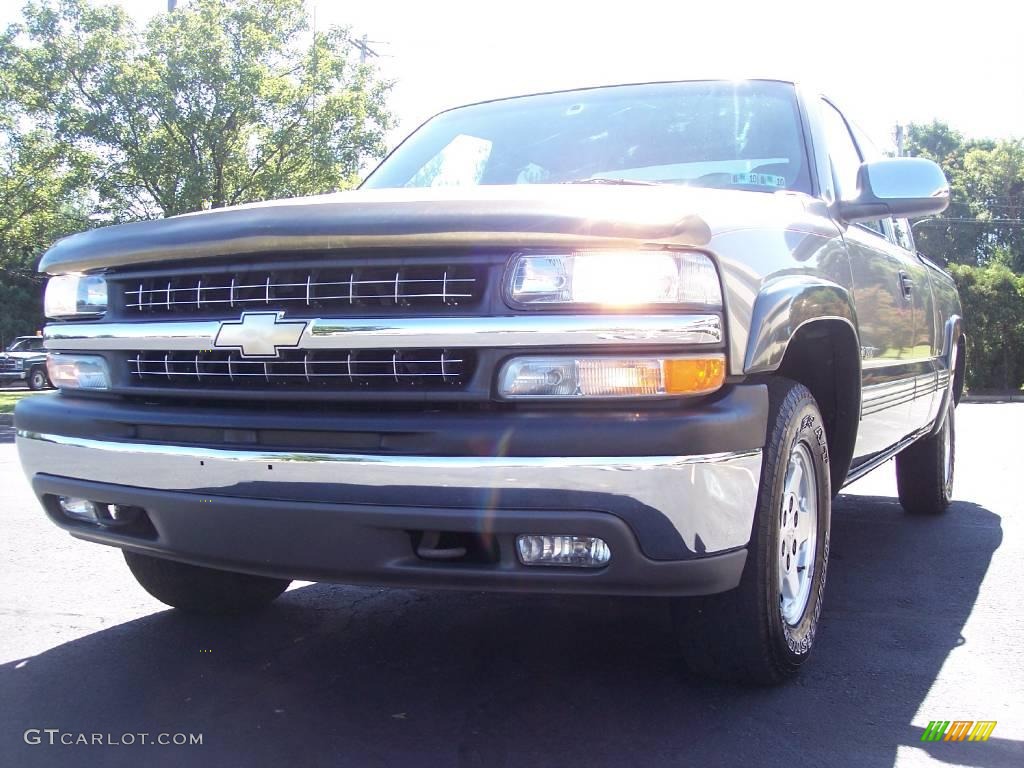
514	216
21	355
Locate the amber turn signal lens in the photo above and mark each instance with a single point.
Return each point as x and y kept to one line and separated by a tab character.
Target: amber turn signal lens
694	375
581	377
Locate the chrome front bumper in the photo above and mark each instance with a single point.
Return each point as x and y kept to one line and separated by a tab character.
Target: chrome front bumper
706	501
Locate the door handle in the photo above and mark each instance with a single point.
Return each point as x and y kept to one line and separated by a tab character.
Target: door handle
906	284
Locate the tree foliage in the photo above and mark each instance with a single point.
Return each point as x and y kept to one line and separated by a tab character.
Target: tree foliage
993	302
985	219
218	103
981	239
43	188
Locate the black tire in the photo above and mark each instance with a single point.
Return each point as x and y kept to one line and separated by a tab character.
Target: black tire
194	589
741	635
923	478
37	379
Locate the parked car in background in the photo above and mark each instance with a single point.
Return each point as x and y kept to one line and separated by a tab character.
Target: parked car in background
25	360
626	340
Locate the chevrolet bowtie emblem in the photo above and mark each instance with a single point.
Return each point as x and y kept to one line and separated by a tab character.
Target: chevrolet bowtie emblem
260	334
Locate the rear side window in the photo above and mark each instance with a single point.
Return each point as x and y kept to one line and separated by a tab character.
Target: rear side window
842	151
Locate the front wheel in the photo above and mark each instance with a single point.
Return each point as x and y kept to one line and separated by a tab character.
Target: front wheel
37	379
762	631
194	589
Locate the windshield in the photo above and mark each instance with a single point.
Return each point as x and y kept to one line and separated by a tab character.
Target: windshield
732	134
25	345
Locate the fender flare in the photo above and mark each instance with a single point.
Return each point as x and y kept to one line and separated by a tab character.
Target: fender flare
951	347
783	306
951	339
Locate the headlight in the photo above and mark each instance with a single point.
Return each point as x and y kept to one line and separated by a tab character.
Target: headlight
78	371
601	377
70	296
615	279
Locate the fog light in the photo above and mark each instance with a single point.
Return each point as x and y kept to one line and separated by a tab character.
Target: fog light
78	371
80	509
579	551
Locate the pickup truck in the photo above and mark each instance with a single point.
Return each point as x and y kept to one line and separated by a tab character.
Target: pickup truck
24	360
627	340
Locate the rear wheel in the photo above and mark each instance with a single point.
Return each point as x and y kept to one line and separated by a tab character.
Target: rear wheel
195	589
762	631
924	470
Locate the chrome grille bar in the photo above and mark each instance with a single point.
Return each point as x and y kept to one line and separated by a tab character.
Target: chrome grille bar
376	368
355	333
368	285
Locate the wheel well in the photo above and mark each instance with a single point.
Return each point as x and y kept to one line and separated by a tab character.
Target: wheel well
823	355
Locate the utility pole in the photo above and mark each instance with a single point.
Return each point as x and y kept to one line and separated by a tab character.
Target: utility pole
365	51
898	135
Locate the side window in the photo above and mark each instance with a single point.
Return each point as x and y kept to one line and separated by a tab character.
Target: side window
875	226
868	151
841	151
902	235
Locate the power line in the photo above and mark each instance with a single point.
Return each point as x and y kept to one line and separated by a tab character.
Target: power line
944	221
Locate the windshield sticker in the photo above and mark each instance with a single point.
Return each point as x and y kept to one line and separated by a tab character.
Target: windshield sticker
759	179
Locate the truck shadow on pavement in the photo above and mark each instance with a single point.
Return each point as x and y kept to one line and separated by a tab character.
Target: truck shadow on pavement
358	676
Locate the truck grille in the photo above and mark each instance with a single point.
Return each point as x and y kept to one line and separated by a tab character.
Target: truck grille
335	370
341	289
9	364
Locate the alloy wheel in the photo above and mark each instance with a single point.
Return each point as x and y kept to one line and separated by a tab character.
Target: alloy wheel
798	534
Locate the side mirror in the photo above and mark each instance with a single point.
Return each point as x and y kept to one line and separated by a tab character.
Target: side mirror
903	187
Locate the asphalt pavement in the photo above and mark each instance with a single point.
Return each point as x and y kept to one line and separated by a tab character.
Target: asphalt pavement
923	620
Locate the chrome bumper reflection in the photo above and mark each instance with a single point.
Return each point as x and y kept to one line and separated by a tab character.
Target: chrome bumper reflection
708	499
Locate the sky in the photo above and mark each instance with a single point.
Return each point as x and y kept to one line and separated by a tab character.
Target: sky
882	62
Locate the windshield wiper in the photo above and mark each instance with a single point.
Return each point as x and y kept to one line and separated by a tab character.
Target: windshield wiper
634	182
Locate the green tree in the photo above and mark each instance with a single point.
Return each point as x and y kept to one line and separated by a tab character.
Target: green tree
986	180
993	303
994	178
218	103
43	188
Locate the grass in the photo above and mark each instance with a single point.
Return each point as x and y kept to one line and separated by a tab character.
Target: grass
8	397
